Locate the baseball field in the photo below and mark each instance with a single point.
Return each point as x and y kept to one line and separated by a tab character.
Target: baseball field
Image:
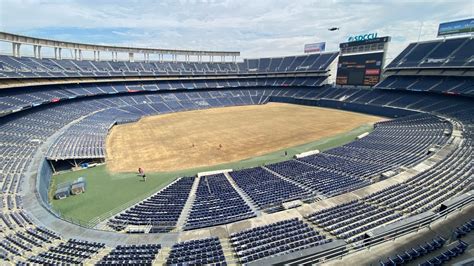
202	138
186	143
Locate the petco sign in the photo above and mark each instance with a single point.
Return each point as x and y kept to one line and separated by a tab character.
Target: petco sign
362	37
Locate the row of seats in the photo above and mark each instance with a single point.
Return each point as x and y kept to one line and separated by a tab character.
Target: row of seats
456	52
282	237
161	210
414	253
14	100
216	202
197	252
131	255
73	251
27	67
447	85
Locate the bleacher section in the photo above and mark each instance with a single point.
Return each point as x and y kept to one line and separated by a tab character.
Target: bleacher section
414	253
197	252
131	255
456	52
430	60
27	67
275	239
72	252
160	211
266	189
216	202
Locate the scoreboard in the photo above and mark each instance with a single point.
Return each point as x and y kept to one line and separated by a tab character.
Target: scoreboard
359	69
361	62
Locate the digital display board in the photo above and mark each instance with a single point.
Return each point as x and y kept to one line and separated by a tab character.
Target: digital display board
314	47
359	69
365	42
456	27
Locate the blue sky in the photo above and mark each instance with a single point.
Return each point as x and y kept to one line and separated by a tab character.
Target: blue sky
257	28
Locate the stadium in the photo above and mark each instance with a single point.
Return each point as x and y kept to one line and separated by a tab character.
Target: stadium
197	157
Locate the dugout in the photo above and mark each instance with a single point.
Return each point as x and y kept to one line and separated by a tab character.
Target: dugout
79	186
61	193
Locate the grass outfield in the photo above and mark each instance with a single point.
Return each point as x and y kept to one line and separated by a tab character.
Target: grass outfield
107	194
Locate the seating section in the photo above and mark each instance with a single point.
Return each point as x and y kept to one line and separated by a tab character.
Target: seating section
14	100
446	54
414	253
267	189
25	241
131	255
71	252
401	142
197	252
438	84
278	238
325	182
27	67
216	202
351	220
438	53
161	211
446	256
464	229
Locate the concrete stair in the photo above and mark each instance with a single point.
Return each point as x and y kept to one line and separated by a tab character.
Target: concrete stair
187	207
162	256
243	195
229	252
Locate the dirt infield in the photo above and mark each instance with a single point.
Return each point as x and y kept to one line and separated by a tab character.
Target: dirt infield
207	137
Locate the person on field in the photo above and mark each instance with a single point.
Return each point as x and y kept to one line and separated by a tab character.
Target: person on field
144	177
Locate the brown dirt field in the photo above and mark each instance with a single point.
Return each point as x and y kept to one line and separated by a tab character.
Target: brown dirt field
165	142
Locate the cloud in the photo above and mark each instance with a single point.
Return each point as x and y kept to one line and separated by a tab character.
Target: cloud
256	28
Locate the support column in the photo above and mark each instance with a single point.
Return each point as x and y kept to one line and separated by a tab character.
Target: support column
75	54
55	52
14	49
60	54
130	57
95	55
35	47
39	51
80	55
98	55
18	49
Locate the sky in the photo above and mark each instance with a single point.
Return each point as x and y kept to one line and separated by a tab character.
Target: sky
256	28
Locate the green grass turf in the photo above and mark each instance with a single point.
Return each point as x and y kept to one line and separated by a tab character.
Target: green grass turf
104	192
107	194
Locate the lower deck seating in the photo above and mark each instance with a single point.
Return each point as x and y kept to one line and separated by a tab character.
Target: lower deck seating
216	202
414	253
350	220
71	252
446	256
160	210
277	238
267	189
197	252
131	255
